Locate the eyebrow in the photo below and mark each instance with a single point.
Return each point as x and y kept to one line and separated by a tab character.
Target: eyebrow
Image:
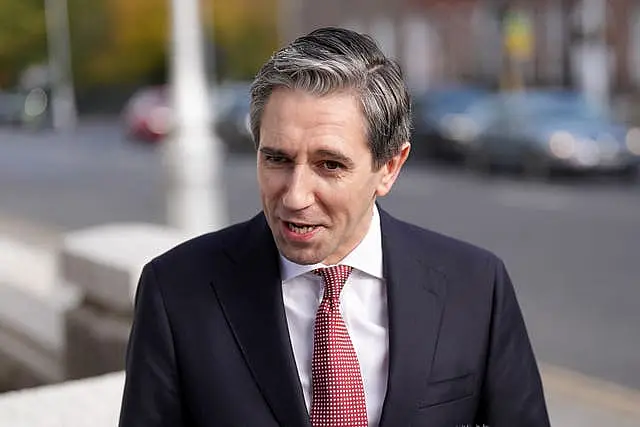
337	156
333	155
274	152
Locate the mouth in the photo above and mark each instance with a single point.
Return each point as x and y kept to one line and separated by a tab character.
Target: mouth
300	228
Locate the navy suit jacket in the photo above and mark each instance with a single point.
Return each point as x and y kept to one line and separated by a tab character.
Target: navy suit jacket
210	347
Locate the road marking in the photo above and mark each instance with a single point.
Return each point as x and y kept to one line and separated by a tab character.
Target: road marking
592	391
533	199
408	188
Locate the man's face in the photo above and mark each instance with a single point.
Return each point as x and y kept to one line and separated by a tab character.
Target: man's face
315	174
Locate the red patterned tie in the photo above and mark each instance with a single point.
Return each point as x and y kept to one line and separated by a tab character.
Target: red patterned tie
338	394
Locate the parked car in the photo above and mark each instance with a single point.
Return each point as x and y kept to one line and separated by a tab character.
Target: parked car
441	120
25	108
232	118
11	105
148	115
544	131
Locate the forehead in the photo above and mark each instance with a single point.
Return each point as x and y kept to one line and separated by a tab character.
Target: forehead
299	116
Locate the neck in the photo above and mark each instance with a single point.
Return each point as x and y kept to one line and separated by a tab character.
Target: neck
359	234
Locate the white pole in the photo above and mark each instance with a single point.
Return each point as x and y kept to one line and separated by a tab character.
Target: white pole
594	53
63	104
196	201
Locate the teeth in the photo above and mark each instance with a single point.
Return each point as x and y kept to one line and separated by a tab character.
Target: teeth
300	230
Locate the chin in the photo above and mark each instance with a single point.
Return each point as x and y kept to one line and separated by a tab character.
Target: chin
301	256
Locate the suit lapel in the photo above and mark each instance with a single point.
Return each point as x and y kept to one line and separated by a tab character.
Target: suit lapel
251	297
250	293
415	303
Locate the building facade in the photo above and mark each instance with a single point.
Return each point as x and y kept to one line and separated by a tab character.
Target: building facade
443	41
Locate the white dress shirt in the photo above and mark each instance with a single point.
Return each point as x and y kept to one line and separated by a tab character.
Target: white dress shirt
363	304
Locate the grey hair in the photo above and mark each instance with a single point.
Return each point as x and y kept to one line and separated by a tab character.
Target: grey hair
329	60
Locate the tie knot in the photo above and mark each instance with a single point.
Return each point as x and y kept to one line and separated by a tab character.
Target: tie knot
334	279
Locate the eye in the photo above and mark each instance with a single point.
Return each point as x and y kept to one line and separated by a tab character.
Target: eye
332	165
271	158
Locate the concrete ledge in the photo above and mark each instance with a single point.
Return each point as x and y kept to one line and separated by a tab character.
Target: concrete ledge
91	402
66	301
37	315
24	363
96	342
32	308
105	262
32	301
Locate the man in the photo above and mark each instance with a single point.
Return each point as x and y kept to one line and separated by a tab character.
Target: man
324	310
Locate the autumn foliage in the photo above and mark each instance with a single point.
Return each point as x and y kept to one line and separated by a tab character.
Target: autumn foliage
126	41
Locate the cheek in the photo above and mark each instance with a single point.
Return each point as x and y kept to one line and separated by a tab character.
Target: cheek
341	200
375	184
269	182
365	189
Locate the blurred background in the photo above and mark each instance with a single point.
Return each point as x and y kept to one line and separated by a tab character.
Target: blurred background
526	141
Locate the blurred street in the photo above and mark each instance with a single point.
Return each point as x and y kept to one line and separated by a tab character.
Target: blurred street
571	246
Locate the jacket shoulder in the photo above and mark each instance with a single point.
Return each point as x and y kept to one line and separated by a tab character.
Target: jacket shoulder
206	249
471	273
438	249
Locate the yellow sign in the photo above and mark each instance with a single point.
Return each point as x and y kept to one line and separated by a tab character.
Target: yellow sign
518	33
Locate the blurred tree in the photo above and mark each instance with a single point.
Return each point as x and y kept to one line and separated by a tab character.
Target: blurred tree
117	41
22	38
124	42
245	32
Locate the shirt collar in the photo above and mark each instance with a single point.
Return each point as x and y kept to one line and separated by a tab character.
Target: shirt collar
366	257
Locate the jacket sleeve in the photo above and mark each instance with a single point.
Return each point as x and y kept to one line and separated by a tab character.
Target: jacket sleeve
512	393
151	392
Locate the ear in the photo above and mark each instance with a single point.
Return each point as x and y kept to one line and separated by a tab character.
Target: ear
391	170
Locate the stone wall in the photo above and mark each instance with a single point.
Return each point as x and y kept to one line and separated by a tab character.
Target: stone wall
66	299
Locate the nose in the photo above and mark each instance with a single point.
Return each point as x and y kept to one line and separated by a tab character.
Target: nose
298	194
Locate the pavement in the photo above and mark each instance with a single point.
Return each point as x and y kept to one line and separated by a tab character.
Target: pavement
577	400
91	402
